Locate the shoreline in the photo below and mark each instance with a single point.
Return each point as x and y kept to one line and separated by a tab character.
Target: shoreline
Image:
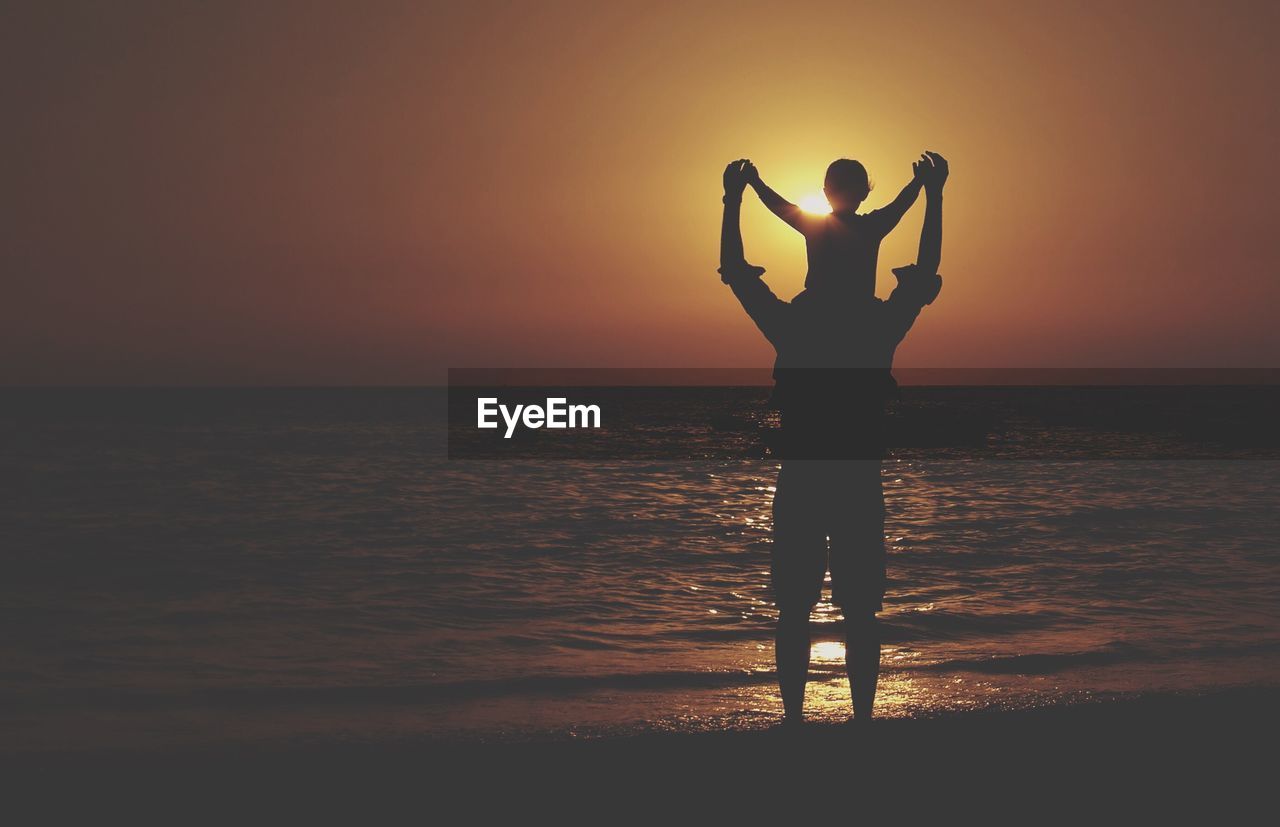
1165	753
1241	713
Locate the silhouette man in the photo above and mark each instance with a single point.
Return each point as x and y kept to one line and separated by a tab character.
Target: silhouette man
842	245
835	345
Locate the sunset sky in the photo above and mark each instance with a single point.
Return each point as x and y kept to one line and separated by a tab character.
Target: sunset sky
368	193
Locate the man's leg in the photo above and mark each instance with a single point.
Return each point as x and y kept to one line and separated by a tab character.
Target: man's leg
862	660
858	577
798	565
791	654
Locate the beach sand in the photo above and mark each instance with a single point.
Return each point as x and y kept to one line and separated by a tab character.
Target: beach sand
1162	749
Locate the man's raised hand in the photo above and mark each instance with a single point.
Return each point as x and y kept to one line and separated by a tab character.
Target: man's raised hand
932	169
735	178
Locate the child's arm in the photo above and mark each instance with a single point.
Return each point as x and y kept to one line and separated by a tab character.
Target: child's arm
934	176
779	206
888	216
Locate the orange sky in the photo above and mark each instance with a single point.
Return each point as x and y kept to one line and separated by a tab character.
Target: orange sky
369	193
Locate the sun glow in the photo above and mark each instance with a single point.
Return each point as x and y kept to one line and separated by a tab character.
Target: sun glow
815	203
827	651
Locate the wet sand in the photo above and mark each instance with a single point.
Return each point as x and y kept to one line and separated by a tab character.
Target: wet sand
1163	749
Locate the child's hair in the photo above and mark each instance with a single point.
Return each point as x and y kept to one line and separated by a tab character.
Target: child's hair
847	175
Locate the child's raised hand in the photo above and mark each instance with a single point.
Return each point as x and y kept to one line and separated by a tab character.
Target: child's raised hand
918	168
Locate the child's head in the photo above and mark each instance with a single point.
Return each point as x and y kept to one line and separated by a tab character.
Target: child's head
846	185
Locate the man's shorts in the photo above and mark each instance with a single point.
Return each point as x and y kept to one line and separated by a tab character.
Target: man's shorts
840	500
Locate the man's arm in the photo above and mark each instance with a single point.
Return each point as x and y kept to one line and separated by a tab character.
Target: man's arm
764	308
915	289
779	206
919	283
732	258
934	177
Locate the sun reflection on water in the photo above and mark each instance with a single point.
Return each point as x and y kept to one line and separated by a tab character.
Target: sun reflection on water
827	651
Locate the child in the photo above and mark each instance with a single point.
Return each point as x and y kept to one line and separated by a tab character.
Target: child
843	245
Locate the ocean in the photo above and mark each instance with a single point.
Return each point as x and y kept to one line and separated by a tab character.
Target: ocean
195	566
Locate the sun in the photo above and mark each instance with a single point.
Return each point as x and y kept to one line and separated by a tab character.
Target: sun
815	203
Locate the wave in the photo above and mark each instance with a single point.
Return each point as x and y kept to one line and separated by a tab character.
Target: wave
930	625
1034	664
1049	664
394	694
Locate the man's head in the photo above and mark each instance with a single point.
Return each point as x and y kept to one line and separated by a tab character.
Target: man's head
846	185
